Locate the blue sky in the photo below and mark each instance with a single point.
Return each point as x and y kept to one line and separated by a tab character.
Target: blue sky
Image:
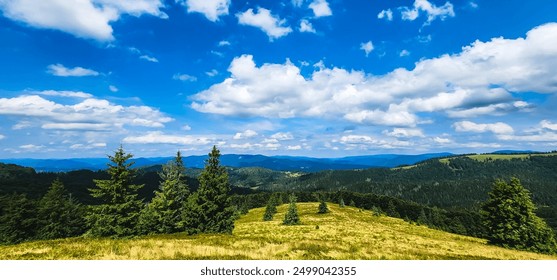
322	78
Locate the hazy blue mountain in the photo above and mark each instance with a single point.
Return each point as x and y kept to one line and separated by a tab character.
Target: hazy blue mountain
282	163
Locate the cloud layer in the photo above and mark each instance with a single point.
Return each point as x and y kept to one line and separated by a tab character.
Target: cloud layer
87	114
482	79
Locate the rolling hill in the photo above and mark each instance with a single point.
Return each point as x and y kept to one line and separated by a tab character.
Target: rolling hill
462	181
344	233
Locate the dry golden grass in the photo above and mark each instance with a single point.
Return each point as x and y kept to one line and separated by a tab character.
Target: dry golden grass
344	233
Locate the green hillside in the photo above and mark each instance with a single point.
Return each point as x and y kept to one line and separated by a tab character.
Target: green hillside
344	233
456	182
461	181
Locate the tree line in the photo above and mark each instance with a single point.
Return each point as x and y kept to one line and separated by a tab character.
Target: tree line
118	211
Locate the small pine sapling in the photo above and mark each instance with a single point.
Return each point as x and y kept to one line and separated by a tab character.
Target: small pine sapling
291	217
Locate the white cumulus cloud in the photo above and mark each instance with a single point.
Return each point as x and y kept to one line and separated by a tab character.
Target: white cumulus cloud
211	9
367	47
430	10
272	25
497	128
365	142
441	140
404	53
386	14
184	77
545	131
88	146
89	19
282	136
476	81
88	114
320	8
306	26
245	135
404	132
62	71
548	125
158	137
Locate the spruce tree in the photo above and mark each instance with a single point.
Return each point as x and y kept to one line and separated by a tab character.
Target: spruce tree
209	209
391	210
164	213
322	209
509	215
291	217
436	218
422	218
18	220
118	214
59	215
270	209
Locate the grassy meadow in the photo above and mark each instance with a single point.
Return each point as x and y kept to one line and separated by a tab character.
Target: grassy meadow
344	233
486	157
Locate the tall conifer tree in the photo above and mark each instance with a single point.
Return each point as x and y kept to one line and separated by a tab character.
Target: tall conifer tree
271	208
164	213
18	220
118	214
209	209
58	214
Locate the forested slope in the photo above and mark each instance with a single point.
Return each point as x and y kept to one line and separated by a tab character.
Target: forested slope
456	182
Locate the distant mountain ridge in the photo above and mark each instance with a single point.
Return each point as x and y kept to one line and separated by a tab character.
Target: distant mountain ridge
279	163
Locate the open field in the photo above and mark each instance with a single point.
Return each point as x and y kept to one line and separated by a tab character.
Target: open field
344	233
485	157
